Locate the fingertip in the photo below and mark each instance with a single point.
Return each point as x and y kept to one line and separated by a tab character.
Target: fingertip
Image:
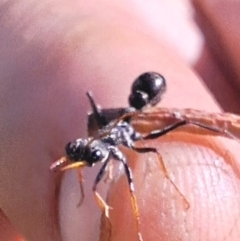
201	175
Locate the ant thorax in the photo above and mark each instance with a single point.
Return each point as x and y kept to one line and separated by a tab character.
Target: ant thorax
120	134
92	150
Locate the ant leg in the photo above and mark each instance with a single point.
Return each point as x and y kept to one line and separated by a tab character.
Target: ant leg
165	130
154	150
101	203
133	197
80	177
214	129
118	155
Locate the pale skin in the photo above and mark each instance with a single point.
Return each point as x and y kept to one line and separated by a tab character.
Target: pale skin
52	52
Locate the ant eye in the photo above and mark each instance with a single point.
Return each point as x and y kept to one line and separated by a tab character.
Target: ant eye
96	151
148	88
96	156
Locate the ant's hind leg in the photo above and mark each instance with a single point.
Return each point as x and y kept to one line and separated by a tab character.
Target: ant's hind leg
161	162
158	133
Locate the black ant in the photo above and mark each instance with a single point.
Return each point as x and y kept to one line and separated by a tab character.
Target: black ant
115	129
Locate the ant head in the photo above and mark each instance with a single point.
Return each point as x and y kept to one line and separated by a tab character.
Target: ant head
75	153
85	150
147	89
75	150
81	153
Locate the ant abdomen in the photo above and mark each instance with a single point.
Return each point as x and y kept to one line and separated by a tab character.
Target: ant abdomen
147	89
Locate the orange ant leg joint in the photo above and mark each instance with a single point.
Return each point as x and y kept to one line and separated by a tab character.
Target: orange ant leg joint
102	204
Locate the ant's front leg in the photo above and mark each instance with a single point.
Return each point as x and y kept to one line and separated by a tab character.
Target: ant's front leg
101	203
118	155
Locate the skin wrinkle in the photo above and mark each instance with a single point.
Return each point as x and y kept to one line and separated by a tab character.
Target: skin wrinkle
209	191
220	151
187	179
221	171
237	216
203	155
